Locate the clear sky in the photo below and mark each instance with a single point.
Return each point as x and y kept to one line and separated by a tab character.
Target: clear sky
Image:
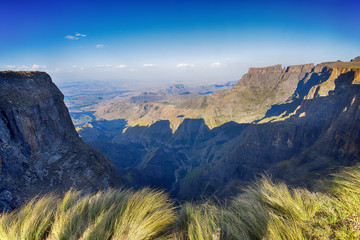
173	41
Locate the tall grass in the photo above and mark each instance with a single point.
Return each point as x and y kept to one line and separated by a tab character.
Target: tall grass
31	222
145	215
266	210
269	210
113	214
197	222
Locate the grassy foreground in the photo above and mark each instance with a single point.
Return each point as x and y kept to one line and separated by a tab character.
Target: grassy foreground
266	210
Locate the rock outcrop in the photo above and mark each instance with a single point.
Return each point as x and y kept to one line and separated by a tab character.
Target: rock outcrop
40	151
266	70
357	59
300	68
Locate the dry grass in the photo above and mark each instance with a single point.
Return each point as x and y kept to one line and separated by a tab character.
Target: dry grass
267	210
197	222
113	214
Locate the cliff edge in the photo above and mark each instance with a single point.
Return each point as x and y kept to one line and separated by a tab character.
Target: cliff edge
40	151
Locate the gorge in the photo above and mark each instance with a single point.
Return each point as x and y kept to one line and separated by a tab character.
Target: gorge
297	123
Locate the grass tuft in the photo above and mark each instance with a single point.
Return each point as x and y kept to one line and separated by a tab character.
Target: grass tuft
112	214
198	222
266	210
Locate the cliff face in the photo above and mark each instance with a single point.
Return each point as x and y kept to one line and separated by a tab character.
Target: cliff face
312	134
266	70
270	76
40	150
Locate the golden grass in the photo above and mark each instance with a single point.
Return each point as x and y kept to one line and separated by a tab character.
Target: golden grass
113	214
266	210
198	222
269	210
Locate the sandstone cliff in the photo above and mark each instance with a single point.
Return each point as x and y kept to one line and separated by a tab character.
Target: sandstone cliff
40	151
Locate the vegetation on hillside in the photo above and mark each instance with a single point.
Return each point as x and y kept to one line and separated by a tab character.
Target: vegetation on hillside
266	210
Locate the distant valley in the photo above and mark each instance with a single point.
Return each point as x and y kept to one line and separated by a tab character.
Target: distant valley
85	98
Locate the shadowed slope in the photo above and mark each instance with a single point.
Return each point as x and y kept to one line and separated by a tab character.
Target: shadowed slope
40	151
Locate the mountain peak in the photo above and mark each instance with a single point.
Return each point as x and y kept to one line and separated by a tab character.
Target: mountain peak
357	59
26	88
264	70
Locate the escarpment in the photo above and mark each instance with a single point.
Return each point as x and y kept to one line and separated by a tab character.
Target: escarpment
297	123
312	134
40	151
247	101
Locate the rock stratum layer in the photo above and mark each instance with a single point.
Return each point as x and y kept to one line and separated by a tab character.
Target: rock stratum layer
40	151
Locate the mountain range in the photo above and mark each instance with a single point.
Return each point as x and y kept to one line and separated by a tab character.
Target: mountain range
297	123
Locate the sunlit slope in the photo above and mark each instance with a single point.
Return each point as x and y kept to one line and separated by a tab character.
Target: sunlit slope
249	100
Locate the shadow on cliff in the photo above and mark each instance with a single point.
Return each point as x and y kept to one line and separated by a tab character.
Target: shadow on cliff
299	149
196	161
302	90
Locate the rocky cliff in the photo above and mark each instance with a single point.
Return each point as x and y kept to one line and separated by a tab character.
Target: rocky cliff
297	123
40	151
310	135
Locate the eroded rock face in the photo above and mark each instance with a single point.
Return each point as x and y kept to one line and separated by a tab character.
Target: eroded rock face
266	70
300	68
275	75
40	150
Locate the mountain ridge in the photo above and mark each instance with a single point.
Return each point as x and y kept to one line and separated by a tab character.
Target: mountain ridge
293	126
216	109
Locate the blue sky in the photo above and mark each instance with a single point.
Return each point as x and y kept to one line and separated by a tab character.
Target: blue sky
173	41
